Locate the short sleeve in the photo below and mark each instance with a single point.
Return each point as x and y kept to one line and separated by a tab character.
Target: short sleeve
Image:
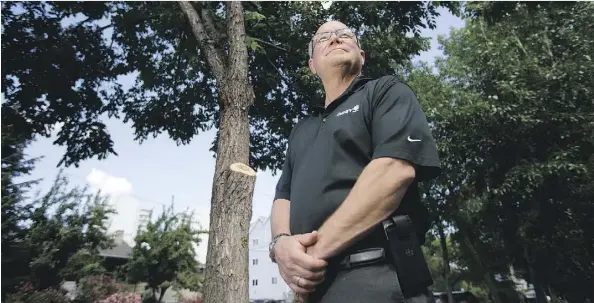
283	187
399	129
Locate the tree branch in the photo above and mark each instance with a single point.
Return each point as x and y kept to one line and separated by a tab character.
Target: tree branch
211	29
270	44
236	35
213	56
80	24
520	45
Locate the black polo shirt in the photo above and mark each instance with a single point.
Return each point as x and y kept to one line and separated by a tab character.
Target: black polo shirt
327	152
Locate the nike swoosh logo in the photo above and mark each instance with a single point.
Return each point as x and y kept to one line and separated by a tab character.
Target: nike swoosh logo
412	140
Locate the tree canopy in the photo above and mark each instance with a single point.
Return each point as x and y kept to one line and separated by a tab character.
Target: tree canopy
512	111
164	254
61	61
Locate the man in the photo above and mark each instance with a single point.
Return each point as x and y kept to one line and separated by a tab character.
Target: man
345	172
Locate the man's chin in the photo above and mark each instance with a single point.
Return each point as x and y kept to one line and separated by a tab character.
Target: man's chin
340	60
348	65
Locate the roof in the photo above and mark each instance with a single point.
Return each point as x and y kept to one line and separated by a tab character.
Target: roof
121	251
260	220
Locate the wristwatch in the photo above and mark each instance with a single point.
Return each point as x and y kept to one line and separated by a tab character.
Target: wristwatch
271	246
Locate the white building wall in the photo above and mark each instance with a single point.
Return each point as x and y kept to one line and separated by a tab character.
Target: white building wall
265	281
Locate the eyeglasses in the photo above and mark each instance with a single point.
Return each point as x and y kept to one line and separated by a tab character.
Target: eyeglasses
343	33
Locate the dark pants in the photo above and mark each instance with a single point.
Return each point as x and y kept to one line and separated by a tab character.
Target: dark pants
367	284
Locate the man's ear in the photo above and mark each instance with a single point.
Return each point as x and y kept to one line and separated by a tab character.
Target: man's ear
311	66
362	58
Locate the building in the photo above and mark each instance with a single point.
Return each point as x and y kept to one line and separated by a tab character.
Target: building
117	255
143	218
266	283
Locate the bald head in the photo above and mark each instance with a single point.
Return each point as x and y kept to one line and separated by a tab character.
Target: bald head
328	26
335	46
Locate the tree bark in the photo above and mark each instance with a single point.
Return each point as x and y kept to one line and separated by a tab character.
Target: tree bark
207	44
226	278
227	256
446	261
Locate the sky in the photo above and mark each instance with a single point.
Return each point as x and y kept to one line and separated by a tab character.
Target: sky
155	173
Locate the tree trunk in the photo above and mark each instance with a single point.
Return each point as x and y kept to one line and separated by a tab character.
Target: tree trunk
446	261
162	294
489	281
226	278
227	256
554	297
541	297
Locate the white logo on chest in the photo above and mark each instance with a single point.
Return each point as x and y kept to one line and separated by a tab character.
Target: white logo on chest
348	111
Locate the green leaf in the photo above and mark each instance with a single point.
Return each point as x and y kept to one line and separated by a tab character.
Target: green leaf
252	15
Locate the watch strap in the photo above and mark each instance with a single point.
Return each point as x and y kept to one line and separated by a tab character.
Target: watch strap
273	243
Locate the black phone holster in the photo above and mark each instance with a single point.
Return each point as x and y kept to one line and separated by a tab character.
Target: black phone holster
404	247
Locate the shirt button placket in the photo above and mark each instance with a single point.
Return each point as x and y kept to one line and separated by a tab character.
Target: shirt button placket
323	124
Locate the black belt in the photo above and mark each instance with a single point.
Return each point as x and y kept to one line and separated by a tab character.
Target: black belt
377	255
363	257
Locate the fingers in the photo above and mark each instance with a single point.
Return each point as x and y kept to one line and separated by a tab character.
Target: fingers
301	277
299	290
301	285
314	276
293	281
296	271
308	239
294	262
308	262
308	284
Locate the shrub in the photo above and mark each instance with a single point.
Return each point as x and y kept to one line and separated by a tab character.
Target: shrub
28	294
94	288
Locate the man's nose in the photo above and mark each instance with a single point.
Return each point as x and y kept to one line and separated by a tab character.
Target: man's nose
334	38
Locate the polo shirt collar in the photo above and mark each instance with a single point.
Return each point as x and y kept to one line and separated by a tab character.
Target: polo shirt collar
355	86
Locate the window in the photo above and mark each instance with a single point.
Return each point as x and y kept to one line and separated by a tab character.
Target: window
255	282
274	280
254	261
255	242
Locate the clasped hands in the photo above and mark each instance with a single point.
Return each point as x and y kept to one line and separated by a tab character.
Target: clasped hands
298	266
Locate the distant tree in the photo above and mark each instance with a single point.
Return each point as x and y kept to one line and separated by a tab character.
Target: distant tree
164	254
66	230
516	139
15	165
454	275
50	238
